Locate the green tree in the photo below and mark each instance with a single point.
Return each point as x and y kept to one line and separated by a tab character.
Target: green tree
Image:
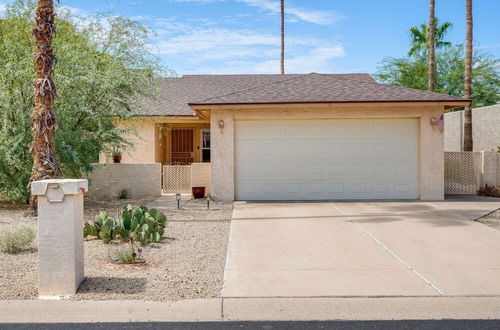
412	72
419	37
103	64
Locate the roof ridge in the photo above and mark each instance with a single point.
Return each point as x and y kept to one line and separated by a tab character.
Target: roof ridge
300	76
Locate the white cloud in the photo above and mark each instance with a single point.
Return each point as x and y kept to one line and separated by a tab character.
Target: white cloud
3	7
315	60
213	40
75	11
322	17
489	46
209	45
318	59
199	1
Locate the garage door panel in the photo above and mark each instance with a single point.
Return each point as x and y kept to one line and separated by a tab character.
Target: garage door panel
326	159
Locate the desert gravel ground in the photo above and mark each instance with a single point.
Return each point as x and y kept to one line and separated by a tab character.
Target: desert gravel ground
491	220
188	263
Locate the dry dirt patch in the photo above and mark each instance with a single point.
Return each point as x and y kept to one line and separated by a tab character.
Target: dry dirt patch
188	263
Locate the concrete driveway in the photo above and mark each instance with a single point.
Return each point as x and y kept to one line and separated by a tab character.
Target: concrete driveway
351	249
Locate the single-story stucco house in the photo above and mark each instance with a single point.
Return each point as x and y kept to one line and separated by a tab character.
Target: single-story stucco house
298	136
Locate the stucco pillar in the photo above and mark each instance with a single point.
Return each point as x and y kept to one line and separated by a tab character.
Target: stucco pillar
60	235
431	156
222	154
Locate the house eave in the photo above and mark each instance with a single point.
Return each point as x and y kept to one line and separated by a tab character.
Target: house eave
446	104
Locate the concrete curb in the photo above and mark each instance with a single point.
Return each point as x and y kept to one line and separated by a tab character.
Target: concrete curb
59	311
226	309
387	308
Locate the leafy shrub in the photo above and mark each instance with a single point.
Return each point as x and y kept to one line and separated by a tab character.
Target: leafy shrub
123	194
490	191
14	239
132	224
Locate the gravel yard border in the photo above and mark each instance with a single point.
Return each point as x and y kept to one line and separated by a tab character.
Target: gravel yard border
187	264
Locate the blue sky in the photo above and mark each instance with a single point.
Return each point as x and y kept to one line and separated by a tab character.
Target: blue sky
242	36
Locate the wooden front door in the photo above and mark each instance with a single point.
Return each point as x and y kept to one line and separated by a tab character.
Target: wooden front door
182	146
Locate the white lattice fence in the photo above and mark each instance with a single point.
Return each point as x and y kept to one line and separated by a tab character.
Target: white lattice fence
462	172
177	179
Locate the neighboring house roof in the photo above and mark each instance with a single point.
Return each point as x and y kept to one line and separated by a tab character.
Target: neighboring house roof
180	93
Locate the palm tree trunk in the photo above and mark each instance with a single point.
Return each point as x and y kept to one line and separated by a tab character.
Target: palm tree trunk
468	143
282	36
432	45
43	119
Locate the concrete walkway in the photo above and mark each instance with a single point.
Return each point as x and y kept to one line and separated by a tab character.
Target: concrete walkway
362	249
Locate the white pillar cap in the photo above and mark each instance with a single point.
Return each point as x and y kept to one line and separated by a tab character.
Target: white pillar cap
66	186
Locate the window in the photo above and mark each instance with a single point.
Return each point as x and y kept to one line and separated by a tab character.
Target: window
205	145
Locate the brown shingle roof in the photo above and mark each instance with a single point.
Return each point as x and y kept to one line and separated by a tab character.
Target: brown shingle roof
177	93
314	88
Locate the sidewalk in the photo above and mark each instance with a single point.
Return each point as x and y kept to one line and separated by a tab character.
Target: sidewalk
226	309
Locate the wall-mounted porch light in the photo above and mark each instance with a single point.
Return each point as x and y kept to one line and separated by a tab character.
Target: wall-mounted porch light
221	125
435	122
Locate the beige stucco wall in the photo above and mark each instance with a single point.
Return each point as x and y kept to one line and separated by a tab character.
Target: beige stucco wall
431	138
141	133
485	129
201	176
491	169
150	138
140	180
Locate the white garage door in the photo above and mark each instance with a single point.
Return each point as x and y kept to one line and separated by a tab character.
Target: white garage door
326	159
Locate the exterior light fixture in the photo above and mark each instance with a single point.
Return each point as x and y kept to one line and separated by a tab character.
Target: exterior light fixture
221	125
208	201
178	198
438	122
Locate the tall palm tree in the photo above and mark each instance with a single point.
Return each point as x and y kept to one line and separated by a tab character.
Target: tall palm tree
419	36
43	119
432	44
468	144
282	36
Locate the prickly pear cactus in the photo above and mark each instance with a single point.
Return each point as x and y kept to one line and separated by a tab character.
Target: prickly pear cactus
138	224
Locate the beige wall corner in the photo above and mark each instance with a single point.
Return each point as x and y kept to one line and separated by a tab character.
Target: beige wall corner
140	180
60	236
